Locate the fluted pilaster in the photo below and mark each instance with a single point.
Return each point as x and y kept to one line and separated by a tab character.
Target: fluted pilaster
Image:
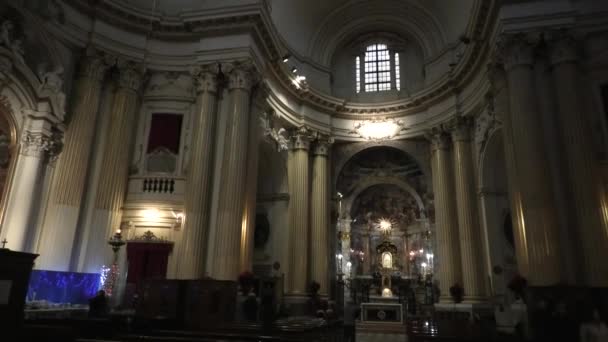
539	235
198	179
114	173
448	247
59	227
226	249
582	166
319	215
366	253
299	181
501	98
249	213
469	231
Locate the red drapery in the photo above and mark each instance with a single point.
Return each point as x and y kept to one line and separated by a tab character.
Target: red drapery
147	260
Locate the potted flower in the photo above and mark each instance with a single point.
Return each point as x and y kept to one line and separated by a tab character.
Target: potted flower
457	292
518	285
246	281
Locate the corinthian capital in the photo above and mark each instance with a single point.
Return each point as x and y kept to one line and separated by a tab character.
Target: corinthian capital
461	128
39	145
130	75
95	64
517	50
241	75
301	138
563	48
322	145
439	138
205	77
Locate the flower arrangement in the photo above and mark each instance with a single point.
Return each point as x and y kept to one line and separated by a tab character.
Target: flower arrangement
457	292
314	288
518	285
246	281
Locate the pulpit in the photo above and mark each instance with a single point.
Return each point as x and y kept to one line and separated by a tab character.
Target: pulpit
15	269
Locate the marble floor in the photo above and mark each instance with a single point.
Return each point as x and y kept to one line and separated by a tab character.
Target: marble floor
380	337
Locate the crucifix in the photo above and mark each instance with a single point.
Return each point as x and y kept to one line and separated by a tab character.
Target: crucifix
4	242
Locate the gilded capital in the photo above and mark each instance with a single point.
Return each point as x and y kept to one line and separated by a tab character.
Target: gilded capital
563	48
130	75
241	75
517	50
205	77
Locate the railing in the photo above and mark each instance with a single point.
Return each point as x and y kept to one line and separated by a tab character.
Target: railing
158	185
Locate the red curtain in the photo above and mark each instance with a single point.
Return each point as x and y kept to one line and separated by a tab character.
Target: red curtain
147	261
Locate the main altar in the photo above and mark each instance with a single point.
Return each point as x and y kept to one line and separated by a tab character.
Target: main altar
384	262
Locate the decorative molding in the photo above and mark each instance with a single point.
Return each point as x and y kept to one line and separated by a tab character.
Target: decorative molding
149	237
279	197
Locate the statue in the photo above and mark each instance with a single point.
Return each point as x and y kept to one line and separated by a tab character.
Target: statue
18	51
52	81
6	32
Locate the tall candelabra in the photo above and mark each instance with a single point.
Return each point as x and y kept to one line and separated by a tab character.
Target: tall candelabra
116	242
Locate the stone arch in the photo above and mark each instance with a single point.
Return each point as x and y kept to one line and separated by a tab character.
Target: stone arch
8	151
367	183
418	150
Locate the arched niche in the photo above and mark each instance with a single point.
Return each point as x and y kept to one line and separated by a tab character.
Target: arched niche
8	152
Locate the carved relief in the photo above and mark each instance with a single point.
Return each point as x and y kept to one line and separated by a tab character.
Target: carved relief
169	84
51	83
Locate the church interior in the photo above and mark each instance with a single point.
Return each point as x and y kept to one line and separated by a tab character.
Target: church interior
304	170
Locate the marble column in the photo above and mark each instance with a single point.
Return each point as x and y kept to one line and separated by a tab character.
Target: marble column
19	225
448	247
114	174
469	232
299	181
67	188
319	215
226	256
537	240
582	165
191	252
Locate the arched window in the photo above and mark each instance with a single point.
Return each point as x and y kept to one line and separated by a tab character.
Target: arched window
380	70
